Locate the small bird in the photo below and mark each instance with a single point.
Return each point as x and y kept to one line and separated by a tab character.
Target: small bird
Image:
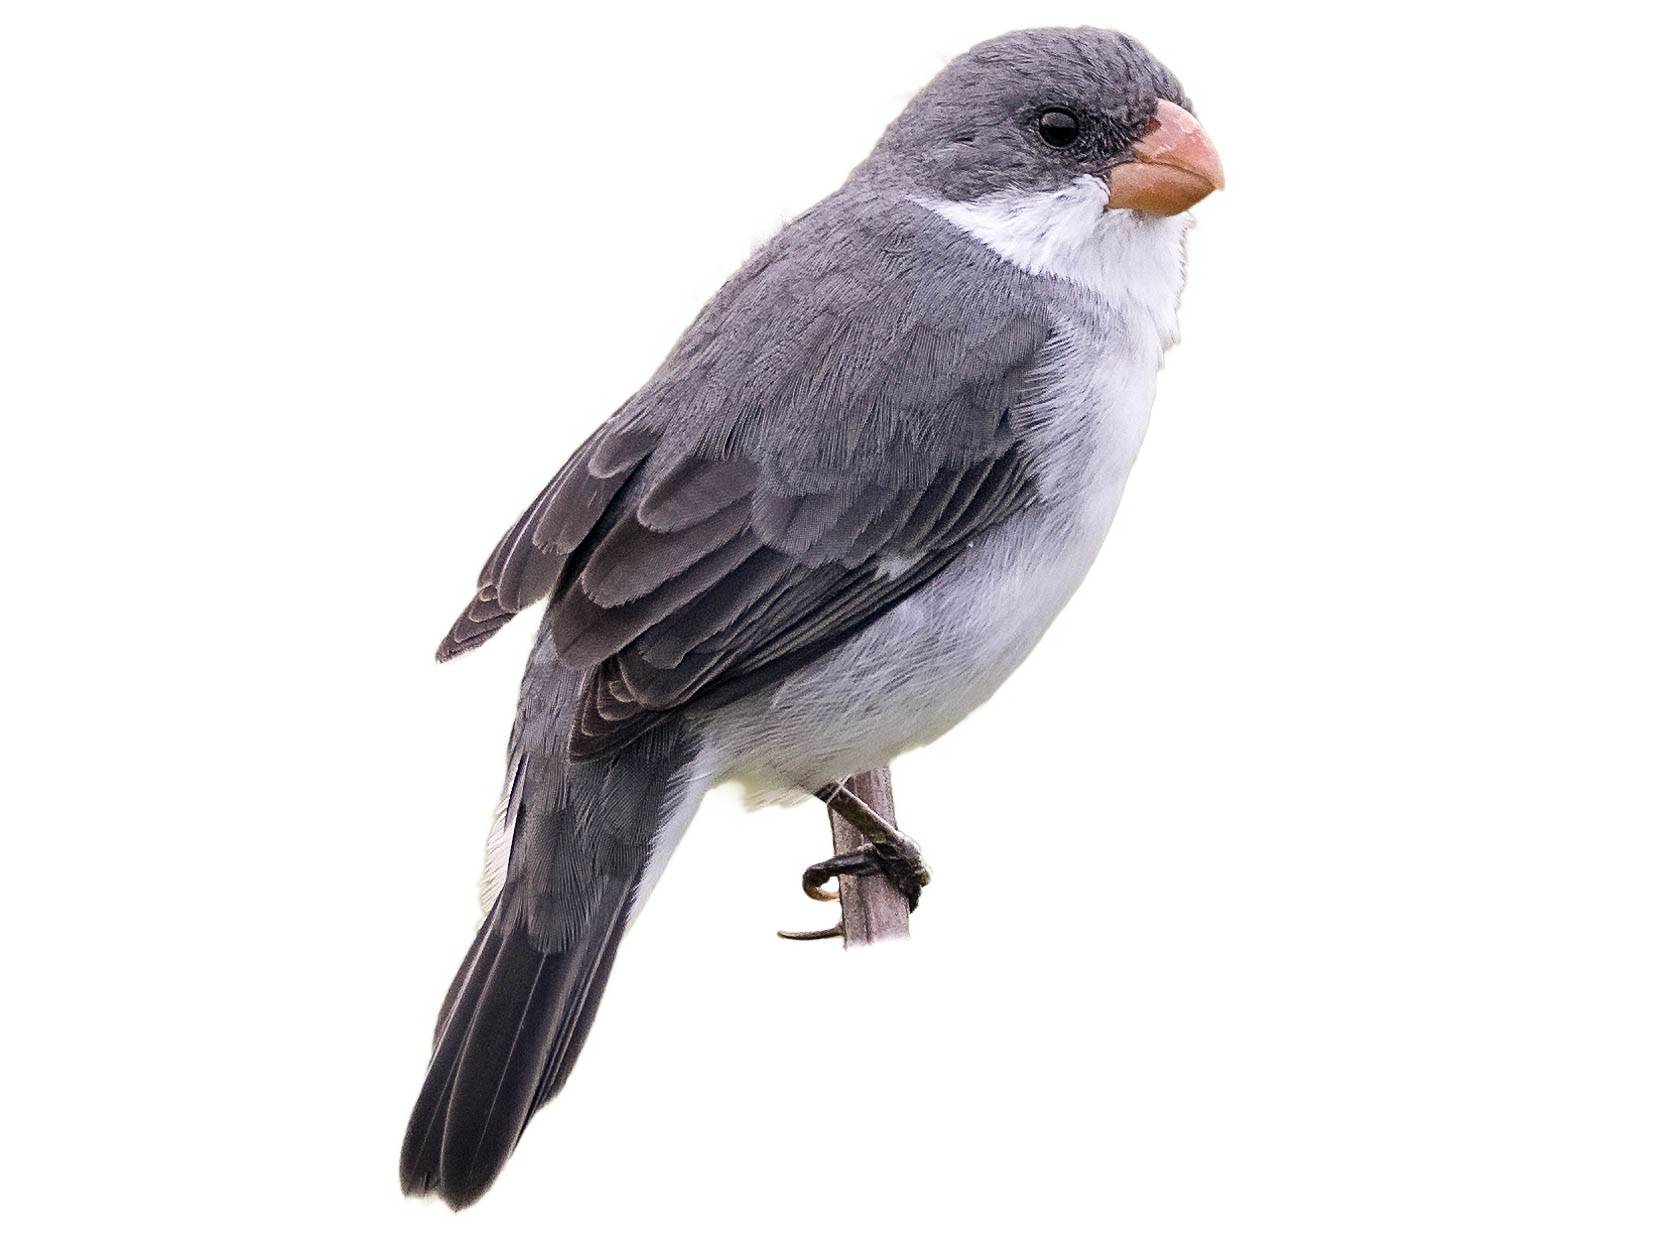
832	523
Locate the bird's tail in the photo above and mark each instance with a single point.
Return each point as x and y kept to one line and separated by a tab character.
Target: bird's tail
511	1030
587	839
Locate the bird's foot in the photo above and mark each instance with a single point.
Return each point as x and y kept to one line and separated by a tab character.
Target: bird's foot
884	852
898	862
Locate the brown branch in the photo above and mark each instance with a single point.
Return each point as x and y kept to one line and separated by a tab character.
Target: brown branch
873	909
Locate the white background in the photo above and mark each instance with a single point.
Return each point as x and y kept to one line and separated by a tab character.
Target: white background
1303	890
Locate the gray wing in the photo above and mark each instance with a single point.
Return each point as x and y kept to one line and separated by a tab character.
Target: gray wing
826	438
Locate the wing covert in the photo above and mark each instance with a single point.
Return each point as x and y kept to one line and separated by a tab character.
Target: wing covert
826	438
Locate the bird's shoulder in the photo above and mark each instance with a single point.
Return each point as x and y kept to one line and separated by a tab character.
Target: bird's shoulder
866	326
830	433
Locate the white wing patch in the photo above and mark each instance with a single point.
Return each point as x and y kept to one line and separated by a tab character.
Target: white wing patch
890	567
501	836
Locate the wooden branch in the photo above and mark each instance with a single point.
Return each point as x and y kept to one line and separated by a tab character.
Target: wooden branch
873	909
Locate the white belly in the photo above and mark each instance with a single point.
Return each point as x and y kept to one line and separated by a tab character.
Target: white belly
920	669
917	671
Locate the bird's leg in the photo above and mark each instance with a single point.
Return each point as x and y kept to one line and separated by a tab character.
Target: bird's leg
884	851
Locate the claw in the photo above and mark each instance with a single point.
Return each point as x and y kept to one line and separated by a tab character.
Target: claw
885	852
862	862
904	869
811	935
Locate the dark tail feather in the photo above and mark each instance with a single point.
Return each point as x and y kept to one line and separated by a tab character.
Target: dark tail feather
582	836
509	1034
419	1171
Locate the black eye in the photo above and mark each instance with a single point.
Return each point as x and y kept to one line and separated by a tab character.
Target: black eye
1058	128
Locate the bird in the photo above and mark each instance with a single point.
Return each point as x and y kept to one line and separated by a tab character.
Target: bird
838	516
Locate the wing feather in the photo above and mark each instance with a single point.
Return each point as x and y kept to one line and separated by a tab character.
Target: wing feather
824	440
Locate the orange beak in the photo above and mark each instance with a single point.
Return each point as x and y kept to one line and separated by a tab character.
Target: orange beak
1174	166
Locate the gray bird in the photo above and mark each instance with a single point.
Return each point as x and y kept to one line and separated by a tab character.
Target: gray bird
830	525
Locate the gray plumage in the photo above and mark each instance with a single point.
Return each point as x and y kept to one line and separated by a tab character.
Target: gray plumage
833	521
722	521
521	1004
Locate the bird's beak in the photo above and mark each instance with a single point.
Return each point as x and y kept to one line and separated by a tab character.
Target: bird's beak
1174	166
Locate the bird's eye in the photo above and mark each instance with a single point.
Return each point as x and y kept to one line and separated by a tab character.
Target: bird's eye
1058	128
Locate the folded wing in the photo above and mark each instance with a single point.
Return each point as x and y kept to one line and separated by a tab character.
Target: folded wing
830	434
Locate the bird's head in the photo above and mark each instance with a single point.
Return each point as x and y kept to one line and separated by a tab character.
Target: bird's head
1039	111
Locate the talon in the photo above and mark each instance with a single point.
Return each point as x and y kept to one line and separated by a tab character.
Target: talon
862	862
818	891
816	878
811	935
885	853
900	864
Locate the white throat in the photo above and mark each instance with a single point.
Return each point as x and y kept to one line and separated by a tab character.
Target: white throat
1134	261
